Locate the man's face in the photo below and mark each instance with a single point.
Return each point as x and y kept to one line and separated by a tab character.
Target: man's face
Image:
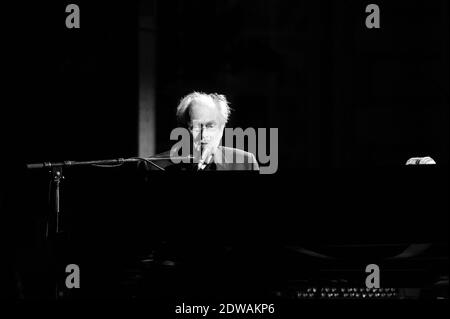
205	125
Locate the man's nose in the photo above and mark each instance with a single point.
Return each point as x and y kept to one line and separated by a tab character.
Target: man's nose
204	133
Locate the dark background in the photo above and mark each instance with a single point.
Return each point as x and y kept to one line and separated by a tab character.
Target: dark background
351	104
341	95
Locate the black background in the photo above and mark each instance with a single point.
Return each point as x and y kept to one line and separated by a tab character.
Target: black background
351	104
341	95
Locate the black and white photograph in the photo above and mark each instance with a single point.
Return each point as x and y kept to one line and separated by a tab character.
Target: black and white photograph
225	158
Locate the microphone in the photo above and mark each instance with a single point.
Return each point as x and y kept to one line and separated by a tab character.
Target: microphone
174	159
110	162
421	161
171	158
206	153
203	162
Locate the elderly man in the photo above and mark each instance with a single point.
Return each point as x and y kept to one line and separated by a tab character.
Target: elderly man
205	116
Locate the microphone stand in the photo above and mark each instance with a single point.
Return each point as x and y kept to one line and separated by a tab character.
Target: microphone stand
54	229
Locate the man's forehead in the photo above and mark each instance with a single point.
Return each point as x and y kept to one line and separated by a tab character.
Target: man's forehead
203	109
203	103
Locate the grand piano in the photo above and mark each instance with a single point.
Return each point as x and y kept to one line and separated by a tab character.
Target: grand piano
139	233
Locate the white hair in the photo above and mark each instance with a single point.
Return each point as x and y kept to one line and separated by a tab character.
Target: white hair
218	99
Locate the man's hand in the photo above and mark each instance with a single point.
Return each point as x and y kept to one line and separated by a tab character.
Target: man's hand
421	161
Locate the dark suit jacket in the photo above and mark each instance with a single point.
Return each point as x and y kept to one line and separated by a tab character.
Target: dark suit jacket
225	159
